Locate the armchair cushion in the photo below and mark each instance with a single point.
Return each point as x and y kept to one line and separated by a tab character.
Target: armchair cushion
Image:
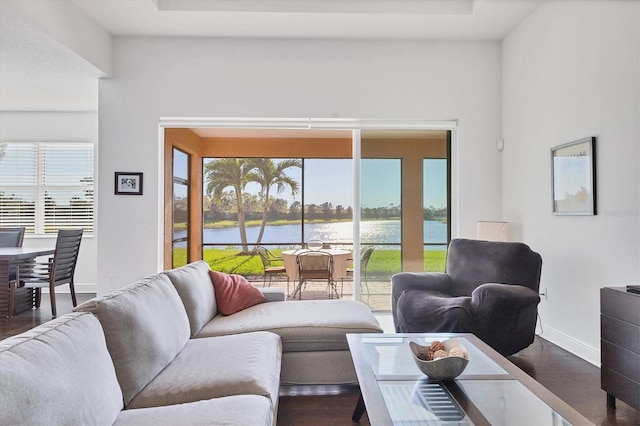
426	305
433	312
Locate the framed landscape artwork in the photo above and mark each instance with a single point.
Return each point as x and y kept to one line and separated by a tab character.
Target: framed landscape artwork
573	177
128	183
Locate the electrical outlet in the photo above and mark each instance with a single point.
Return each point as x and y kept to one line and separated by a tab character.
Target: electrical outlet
112	279
544	293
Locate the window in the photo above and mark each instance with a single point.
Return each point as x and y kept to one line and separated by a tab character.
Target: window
45	186
180	208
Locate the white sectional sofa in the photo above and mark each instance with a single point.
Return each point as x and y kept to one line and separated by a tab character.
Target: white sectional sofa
158	352
315	350
61	373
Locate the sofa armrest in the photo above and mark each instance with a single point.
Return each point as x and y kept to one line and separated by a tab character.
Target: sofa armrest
274	294
504	316
493	297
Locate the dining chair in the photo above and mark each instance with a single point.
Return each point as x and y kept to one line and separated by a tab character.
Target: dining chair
315	265
268	259
11	237
58	270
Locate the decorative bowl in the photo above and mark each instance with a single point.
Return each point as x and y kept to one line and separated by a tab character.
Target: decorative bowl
445	368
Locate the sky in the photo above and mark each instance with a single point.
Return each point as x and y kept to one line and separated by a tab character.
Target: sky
331	180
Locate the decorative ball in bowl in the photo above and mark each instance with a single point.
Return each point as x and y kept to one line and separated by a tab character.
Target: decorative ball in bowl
440	360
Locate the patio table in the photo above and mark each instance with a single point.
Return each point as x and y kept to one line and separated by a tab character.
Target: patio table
341	259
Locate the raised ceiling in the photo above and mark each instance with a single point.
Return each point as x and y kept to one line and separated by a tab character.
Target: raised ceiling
37	72
333	19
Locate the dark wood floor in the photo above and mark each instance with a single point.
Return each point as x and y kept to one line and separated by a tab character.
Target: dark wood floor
571	378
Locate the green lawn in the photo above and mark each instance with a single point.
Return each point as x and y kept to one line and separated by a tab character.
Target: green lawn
383	263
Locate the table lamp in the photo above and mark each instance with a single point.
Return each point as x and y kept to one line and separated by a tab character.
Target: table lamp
492	230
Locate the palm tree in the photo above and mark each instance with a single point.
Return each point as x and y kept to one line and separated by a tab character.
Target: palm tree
231	172
270	174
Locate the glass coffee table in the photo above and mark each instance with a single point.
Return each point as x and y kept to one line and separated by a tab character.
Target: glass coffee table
490	391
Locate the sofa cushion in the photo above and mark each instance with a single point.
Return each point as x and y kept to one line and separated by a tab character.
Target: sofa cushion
234	293
194	286
307	325
216	367
433	312
239	410
273	294
59	373
145	325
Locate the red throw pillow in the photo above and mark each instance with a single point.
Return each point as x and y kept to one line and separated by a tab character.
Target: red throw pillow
234	293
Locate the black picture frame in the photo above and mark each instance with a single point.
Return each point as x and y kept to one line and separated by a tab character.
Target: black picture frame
573	178
128	183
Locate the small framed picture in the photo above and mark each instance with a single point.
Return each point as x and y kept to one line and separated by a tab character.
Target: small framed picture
573	177
128	183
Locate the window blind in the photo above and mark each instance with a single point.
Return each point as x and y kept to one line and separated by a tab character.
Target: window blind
46	186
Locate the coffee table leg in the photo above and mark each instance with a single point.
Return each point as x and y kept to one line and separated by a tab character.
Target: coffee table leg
359	410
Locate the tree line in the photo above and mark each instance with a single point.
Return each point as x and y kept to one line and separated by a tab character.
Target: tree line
226	198
279	209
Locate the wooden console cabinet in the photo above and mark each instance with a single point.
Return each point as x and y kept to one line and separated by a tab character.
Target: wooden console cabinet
620	345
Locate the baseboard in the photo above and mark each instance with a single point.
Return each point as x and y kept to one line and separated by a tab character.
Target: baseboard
576	347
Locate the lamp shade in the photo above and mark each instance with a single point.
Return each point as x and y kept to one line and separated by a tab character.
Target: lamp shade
492	231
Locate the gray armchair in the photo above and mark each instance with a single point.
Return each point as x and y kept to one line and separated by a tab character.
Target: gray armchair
489	289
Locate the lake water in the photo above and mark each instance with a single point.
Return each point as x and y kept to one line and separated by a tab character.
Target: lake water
371	233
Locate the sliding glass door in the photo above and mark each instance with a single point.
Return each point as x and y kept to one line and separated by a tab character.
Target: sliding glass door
437	228
237	189
380	228
404	208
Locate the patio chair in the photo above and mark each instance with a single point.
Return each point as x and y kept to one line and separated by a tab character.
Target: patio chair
268	259
315	265
364	261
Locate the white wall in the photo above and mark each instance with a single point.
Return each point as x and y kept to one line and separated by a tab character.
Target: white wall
260	78
58	126
570	71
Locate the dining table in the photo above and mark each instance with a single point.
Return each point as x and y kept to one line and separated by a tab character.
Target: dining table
341	260
9	258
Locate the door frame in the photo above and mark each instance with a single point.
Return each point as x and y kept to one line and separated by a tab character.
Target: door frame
356	125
